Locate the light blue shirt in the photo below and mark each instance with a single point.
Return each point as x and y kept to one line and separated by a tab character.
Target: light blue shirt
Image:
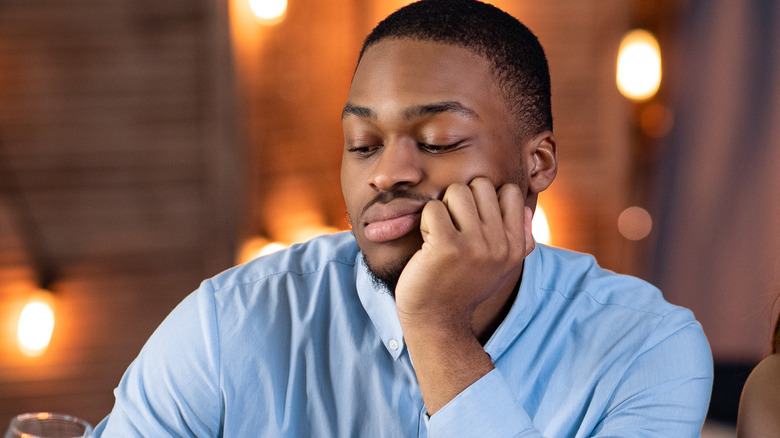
302	343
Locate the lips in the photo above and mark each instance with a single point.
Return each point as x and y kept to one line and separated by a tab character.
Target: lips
386	222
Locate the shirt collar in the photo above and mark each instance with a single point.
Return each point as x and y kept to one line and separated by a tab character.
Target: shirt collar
380	306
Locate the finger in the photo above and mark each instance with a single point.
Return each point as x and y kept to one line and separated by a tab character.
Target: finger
486	200
435	221
511	203
461	206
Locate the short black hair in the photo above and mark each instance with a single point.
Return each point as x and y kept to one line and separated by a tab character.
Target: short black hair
516	57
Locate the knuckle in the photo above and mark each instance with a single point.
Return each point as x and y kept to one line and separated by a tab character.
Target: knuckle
509	191
455	190
480	181
459	188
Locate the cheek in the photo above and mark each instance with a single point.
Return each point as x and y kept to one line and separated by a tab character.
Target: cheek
351	190
505	165
495	167
349	177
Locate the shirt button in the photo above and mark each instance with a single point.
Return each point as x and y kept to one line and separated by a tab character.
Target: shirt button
393	344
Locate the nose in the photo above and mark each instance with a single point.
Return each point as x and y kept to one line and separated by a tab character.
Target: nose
398	165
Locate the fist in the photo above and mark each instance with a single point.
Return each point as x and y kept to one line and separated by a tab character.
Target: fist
474	242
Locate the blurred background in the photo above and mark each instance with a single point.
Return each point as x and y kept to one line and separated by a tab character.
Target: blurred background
147	145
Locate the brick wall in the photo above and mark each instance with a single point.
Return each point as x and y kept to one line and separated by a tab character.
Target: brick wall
118	153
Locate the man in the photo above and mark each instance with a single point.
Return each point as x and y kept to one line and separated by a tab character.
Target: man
437	315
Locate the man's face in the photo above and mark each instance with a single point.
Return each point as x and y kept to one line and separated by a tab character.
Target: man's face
420	116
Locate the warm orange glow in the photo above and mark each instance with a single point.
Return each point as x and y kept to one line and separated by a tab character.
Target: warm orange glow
540	227
294	211
382	9
257	247
639	65
36	324
246	36
268	12
309	232
656	120
635	223
271	248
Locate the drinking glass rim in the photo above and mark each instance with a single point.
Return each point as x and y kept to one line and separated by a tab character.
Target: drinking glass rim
21	418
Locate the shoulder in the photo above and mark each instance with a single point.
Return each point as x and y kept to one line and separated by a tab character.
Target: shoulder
282	288
578	275
618	303
317	273
316	255
759	406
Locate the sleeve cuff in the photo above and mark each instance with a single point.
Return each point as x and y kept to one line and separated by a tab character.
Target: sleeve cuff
486	408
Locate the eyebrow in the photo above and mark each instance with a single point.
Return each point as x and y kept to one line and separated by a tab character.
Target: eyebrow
415	111
359	111
438	108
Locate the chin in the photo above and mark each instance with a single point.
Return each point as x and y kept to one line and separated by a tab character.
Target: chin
386	261
387	275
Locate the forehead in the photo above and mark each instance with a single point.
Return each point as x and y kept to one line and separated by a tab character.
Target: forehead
412	72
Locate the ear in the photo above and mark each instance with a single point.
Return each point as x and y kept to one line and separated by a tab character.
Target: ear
541	155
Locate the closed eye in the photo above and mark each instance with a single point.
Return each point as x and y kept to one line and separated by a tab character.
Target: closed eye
438	149
363	151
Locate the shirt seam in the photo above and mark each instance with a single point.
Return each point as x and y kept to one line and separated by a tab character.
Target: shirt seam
602	303
276	273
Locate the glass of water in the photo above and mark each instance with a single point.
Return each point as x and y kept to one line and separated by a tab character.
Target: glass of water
48	425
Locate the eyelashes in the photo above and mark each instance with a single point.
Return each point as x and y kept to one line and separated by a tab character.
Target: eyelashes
438	149
368	150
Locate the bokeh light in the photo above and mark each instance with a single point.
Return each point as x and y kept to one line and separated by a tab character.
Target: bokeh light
639	65
255	247
36	325
635	223
540	227
268	12
656	120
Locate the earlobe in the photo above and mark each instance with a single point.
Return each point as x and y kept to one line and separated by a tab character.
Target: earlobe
542	161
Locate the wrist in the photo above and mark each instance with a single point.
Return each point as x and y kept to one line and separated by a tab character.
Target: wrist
438	325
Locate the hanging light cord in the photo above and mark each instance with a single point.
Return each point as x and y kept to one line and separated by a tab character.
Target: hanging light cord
25	223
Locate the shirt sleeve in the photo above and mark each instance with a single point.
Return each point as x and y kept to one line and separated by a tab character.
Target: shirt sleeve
664	392
486	408
172	387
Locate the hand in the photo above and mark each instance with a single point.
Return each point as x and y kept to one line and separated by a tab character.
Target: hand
457	285
474	242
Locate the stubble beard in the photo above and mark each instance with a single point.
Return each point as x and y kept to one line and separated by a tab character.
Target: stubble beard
386	278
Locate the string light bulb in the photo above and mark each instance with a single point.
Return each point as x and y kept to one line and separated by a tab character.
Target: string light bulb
268	12
36	324
639	65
